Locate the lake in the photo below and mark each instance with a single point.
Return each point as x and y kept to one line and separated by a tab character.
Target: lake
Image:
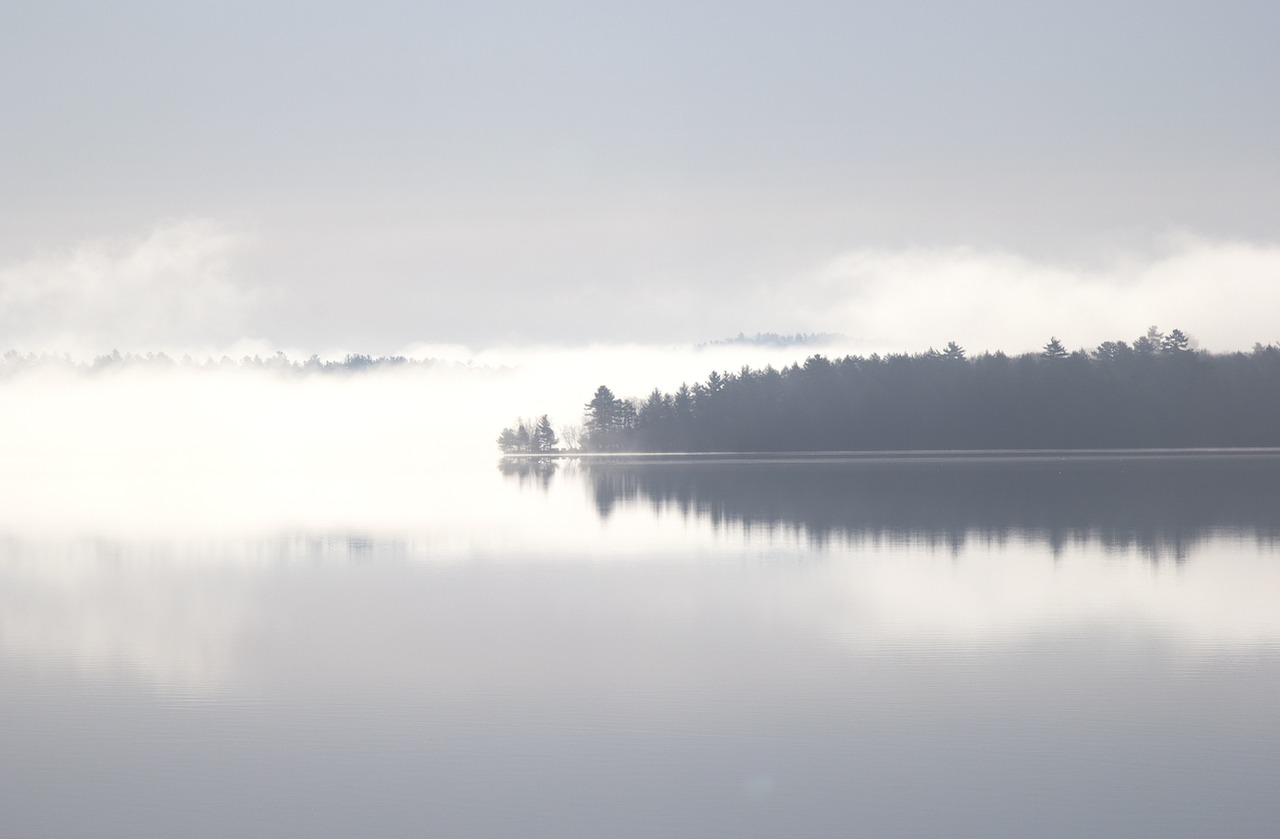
828	646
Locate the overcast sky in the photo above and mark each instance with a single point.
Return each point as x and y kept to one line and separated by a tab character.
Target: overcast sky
374	175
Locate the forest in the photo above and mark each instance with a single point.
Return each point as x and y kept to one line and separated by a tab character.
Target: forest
1153	392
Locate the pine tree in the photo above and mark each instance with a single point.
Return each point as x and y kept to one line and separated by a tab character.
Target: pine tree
602	419
1176	342
544	436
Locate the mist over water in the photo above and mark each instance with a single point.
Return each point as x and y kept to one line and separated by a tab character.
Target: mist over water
290	603
149	445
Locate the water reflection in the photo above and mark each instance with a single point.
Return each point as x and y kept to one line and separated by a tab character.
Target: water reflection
1159	503
722	648
530	471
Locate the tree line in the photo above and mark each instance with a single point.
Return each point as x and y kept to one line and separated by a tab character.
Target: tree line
1156	391
13	362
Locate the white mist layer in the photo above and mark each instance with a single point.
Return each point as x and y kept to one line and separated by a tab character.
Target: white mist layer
198	286
156	451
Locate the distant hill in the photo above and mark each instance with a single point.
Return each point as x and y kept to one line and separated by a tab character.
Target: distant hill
773	339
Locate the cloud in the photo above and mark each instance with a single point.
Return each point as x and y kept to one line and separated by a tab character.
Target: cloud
1222	292
193	286
169	287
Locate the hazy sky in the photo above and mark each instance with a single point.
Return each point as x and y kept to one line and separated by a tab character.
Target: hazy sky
371	175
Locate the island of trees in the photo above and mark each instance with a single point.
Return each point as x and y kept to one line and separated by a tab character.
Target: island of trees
1153	392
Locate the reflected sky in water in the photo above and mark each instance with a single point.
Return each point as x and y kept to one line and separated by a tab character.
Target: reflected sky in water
833	648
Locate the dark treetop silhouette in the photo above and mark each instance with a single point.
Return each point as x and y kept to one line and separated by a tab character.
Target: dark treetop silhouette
1156	392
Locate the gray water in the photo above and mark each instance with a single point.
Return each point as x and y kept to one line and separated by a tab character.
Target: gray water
960	646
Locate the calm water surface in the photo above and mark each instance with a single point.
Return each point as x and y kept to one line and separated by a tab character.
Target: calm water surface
1047	646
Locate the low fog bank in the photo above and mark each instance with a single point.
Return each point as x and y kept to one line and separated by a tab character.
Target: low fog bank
425	408
157	444
431	405
140	444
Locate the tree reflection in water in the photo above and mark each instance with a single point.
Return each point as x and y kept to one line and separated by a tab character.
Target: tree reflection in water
1161	503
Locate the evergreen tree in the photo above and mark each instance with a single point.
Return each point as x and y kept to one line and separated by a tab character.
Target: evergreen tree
1112	351
603	420
1054	349
1175	342
1150	343
544	436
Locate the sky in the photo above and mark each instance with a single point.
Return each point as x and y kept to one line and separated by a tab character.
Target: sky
329	177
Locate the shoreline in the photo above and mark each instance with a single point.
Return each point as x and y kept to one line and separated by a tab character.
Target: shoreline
902	455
